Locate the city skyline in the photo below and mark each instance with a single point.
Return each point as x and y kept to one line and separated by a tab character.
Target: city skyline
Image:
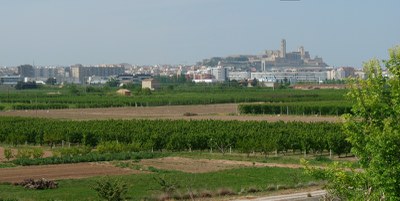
184	32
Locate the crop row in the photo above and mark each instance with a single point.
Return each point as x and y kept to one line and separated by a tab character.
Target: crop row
298	108
178	135
41	100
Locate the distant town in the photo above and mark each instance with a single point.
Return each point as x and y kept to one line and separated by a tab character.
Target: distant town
269	67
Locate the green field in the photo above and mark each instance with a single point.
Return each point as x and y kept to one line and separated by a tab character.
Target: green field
144	185
99	97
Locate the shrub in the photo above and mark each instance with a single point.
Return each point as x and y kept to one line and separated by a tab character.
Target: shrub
166	186
111	189
8	153
37	153
110	147
73	151
24	153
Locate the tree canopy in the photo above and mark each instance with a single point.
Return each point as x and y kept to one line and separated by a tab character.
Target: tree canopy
373	130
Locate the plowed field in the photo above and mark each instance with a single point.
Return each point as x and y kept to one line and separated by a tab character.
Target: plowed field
63	171
217	111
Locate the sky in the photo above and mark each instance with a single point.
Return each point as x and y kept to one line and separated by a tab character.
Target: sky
66	32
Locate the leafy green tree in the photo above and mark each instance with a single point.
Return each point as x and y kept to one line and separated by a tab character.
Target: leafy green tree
373	130
73	89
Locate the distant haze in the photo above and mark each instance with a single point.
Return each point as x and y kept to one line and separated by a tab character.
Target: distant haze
65	32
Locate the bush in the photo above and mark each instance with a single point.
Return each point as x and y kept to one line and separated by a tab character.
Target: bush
72	151
37	152
24	153
111	189
8	153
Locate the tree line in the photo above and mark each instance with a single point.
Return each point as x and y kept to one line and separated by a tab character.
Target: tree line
180	135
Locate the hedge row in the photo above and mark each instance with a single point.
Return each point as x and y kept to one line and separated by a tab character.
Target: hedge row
90	157
43	106
311	108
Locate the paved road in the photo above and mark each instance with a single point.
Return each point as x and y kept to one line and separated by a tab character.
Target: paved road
315	195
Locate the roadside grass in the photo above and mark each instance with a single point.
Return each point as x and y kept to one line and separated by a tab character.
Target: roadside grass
142	186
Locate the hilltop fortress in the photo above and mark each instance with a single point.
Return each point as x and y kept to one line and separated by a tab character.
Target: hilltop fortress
268	60
281	58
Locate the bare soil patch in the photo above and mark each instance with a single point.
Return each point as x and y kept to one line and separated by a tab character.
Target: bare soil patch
204	165
63	171
216	111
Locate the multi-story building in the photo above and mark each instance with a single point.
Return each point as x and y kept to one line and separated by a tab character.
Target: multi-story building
219	73
292	75
81	73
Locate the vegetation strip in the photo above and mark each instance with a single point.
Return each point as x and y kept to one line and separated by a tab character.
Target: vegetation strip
178	135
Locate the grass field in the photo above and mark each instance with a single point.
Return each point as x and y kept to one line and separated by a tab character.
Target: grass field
145	185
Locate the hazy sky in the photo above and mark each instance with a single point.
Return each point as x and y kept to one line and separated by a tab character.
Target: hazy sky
65	32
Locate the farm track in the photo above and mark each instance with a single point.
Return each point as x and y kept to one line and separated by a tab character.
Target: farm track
216	112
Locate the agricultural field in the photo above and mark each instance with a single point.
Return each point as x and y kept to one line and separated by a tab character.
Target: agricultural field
166	150
187	112
97	97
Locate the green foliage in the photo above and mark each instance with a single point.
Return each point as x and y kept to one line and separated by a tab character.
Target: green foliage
344	182
113	136
113	82
72	151
111	189
39	106
116	147
142	186
374	132
90	157
8	153
297	108
37	152
166	186
73	89
24	153
74	96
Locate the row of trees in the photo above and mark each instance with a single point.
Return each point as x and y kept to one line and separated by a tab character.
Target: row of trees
175	97
298	108
178	135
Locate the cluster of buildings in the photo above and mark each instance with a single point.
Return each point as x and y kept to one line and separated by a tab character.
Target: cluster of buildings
268	67
272	66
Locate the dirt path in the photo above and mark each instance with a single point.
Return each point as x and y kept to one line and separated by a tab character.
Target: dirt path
63	171
216	111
